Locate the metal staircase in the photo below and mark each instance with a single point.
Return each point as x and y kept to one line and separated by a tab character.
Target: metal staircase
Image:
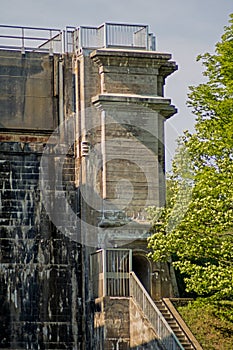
112	277
170	333
184	341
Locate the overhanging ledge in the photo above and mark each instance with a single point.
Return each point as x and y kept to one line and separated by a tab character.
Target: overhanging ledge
157	103
131	53
135	58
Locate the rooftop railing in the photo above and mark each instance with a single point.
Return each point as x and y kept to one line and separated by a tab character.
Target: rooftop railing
72	39
113	35
30	39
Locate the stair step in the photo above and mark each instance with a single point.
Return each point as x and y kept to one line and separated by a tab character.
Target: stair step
182	339
168	317
173	325
172	322
175	328
161	307
187	346
179	333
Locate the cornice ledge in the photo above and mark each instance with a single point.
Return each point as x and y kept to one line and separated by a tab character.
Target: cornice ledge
157	103
130	53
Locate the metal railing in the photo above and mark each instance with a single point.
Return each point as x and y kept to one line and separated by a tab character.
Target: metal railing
31	39
112	275
165	334
110	272
114	35
72	39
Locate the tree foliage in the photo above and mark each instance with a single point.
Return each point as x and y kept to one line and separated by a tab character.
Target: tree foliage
195	227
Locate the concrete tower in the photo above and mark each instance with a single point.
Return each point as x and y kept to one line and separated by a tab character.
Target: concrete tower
120	115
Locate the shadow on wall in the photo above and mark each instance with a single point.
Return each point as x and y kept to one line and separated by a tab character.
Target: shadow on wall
152	345
121	344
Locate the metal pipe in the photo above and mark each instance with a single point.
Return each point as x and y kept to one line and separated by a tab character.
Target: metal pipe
61	96
104	272
31	28
104	160
23	47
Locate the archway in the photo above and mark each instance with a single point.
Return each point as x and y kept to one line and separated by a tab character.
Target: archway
141	267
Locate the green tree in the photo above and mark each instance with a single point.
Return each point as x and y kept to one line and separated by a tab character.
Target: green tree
195	227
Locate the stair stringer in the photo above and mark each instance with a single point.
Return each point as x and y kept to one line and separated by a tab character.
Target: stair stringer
181	324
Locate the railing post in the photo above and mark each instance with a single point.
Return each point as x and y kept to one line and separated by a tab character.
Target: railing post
64	41
23	44
130	260
143	302
105	35
104	272
147	38
50	44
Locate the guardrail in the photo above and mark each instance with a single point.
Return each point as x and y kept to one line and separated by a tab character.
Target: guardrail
110	272
72	39
31	39
165	334
114	35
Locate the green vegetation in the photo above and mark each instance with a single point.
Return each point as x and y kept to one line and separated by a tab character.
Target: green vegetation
195	228
208	323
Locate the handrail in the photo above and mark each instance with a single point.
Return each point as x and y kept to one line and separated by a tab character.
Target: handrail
166	336
27	38
116	35
110	272
27	27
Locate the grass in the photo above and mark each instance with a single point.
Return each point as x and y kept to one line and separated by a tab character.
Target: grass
211	323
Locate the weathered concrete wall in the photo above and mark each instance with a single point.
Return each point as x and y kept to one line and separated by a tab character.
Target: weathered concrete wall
130	97
40	265
27	91
40	268
134	179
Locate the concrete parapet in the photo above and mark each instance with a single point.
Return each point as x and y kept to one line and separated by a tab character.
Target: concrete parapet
27	91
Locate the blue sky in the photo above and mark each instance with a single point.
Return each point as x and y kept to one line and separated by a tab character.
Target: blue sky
184	28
